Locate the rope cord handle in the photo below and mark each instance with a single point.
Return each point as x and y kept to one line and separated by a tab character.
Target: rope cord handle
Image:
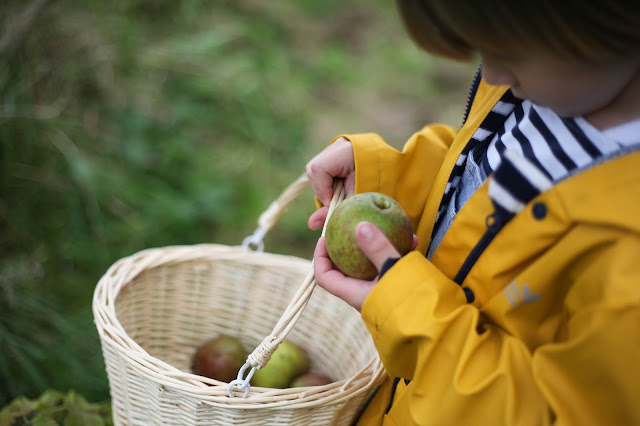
261	355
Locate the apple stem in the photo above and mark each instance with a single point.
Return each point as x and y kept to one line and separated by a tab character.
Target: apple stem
381	203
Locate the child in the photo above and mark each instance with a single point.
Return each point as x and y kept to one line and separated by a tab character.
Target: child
520	304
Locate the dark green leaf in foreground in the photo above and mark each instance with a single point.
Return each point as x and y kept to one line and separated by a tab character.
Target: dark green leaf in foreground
55	408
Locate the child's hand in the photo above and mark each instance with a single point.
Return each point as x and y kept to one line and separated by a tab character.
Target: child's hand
353	291
335	161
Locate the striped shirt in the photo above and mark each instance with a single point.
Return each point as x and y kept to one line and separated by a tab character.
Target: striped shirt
541	149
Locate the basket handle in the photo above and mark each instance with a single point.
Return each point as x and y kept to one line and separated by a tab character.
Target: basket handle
261	355
271	216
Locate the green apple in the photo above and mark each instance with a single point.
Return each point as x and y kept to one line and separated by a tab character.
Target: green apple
379	209
287	362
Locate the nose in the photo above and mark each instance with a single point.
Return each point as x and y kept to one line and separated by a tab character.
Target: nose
497	75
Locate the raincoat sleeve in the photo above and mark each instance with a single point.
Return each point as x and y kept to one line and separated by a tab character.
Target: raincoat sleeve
462	369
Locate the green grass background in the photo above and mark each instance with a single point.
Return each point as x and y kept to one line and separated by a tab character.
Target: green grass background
133	124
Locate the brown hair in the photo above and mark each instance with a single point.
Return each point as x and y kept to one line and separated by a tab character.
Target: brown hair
583	30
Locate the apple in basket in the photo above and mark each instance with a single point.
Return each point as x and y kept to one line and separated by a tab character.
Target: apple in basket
379	209
287	362
310	379
219	358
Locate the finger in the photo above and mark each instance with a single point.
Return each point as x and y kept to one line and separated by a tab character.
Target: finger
317	218
350	185
375	244
414	244
336	160
321	261
350	290
321	181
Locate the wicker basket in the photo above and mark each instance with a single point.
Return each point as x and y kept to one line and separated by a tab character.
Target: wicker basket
154	308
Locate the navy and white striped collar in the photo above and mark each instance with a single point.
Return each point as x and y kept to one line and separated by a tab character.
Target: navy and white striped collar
528	148
557	146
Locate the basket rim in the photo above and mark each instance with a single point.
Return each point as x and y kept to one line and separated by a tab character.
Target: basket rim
209	391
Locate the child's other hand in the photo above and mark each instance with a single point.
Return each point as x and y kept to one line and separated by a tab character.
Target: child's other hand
335	161
353	291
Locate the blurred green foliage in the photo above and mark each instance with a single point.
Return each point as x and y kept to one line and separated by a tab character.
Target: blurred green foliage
134	124
54	408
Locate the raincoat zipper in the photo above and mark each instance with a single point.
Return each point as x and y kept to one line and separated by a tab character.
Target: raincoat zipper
472	93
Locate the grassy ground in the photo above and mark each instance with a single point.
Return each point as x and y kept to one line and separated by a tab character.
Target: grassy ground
128	125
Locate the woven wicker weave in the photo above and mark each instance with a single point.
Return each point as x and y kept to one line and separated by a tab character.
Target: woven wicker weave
154	308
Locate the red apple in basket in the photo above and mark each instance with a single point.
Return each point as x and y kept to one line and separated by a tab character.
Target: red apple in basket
310	379
379	209
219	358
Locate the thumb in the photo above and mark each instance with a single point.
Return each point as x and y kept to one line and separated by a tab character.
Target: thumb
375	244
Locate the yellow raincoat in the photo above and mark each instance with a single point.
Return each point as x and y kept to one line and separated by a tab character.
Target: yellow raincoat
553	334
